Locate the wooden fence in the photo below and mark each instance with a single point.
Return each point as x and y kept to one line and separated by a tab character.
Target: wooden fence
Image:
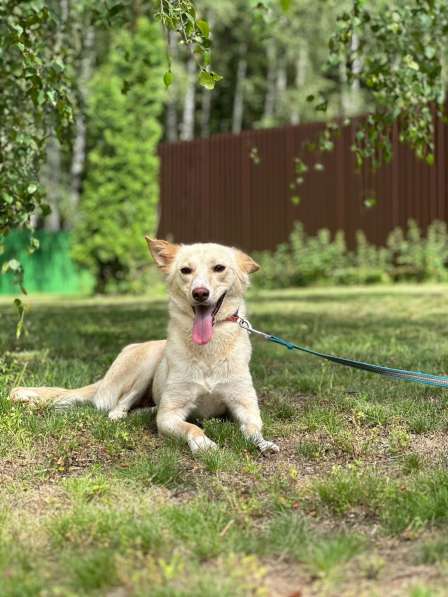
236	189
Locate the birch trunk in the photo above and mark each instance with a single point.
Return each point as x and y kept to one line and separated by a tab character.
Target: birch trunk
79	143
301	72
356	65
344	101
280	87
206	94
51	174
349	95
269	99
238	98
171	107
189	102
52	181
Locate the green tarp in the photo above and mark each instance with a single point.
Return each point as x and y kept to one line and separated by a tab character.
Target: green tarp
49	269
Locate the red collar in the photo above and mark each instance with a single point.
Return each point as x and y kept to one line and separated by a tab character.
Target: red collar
234	318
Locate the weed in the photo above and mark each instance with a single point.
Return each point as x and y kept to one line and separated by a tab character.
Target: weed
433	552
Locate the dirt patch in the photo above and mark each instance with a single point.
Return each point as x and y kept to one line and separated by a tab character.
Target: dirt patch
388	570
48	497
287	580
431	447
11	470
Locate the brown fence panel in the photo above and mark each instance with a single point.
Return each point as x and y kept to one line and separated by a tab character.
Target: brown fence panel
236	189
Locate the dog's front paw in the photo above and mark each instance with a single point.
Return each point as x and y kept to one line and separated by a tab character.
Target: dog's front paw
201	443
262	444
117	414
266	447
24	395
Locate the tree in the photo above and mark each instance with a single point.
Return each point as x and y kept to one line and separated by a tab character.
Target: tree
34	101
120	194
38	56
396	53
270	62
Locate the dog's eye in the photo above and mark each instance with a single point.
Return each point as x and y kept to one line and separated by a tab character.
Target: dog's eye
219	268
185	270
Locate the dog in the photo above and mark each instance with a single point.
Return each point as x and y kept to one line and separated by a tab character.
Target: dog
201	370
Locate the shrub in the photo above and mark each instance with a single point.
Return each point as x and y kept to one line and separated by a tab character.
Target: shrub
119	203
367	264
419	258
323	259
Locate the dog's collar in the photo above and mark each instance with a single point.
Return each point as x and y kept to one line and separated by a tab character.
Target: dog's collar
233	318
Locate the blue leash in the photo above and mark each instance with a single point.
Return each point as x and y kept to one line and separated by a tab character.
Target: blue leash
440	381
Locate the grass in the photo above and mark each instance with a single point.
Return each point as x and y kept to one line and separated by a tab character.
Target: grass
397	503
355	503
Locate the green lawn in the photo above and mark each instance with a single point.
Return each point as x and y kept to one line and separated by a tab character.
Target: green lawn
356	503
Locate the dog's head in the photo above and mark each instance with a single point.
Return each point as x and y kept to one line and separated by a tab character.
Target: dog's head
204	279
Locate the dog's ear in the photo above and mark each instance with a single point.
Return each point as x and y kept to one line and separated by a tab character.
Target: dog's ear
246	263
162	251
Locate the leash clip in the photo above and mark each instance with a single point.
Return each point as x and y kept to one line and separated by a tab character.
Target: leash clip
246	325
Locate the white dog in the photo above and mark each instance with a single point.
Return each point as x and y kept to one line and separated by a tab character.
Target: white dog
202	369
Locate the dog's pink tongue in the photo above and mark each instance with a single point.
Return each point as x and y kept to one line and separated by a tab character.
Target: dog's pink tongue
202	326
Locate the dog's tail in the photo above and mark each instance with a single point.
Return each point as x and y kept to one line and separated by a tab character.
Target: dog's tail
57	397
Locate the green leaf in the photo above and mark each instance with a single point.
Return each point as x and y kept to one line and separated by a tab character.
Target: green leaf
12	266
410	62
45	209
20	308
203	27
168	78
208	79
300	166
295	199
34	245
115	9
322	107
285	5
370	202
32	188
125	87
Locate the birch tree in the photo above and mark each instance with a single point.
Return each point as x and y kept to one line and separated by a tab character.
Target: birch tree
188	117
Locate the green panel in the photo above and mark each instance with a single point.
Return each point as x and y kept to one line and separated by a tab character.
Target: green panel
48	270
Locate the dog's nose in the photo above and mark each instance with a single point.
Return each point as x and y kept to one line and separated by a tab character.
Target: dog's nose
200	294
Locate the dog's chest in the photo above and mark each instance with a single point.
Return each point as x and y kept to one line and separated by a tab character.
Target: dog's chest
205	386
207	377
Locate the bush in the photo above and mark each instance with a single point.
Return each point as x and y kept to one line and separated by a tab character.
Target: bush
119	202
323	259
420	258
